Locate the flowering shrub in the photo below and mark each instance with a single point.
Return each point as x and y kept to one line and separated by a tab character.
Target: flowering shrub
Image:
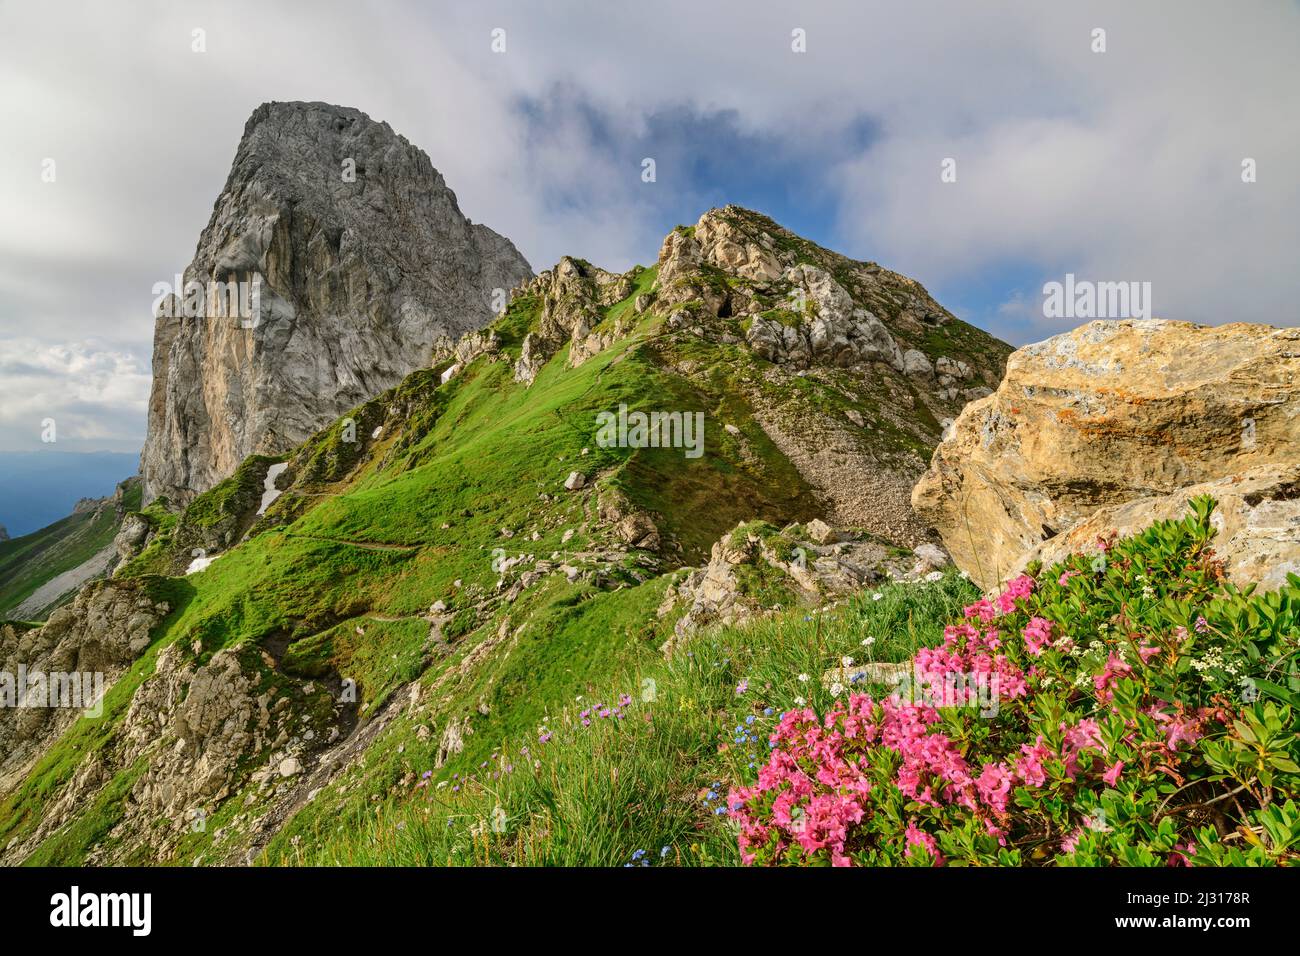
1143	712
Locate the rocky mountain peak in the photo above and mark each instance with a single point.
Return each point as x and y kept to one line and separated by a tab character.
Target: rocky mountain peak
807	304
851	370
794	302
344	257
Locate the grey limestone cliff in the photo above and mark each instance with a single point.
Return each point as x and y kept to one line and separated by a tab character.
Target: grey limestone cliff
335	257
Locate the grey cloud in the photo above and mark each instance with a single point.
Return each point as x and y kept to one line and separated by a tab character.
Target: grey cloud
1120	165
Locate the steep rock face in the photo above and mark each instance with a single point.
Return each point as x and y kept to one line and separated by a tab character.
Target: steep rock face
1103	415
356	258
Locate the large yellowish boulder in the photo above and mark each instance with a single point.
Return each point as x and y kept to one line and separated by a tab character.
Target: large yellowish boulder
1256	524
1098	417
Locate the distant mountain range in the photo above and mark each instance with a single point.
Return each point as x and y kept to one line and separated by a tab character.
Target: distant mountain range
38	488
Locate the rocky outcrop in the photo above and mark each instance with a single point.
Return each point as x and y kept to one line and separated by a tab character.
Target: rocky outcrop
571	297
1256	524
354	258
200	733
755	565
106	627
1110	413
208	728
831	328
131	537
803	305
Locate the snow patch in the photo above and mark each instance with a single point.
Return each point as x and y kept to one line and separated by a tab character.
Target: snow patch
198	564
269	491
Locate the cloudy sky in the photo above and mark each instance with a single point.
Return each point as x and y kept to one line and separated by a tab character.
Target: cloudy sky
1122	165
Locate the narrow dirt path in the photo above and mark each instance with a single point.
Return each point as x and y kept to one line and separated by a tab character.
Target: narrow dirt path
366	545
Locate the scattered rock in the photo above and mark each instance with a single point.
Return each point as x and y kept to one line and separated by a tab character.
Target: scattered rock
854	677
819	531
929	557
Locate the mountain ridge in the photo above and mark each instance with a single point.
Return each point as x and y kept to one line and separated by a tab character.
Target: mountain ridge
461	608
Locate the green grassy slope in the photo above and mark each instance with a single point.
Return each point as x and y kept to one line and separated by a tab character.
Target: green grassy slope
369	540
646	776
